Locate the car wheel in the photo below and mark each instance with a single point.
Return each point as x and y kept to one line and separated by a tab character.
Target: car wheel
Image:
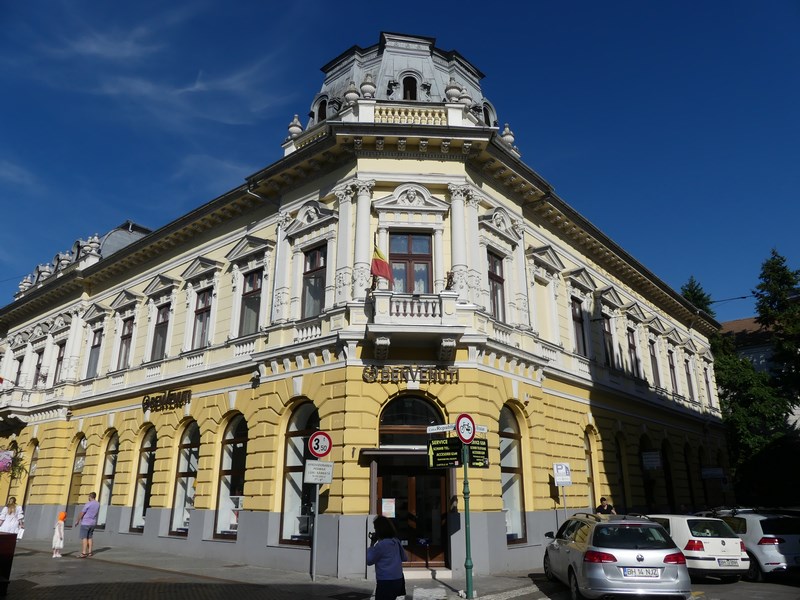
548	571
574	592
754	572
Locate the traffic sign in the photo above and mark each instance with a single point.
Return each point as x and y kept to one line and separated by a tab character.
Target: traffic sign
319	444
318	471
465	427
562	474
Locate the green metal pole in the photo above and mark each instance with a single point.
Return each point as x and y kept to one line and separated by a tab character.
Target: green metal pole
468	560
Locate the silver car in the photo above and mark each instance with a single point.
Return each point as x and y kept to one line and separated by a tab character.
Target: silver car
599	556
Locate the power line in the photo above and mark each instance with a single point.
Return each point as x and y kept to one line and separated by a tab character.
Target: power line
729	299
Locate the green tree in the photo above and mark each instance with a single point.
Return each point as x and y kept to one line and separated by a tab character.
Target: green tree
694	293
778	306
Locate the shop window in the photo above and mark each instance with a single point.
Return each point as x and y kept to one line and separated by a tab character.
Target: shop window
94	353
74	498
125	337
298	498
578	328
185	480
314	281
654	363
144	480
511	475
159	350
231	478
251	302
412	262
496	285
60	349
107	483
202	319
409	88
31	474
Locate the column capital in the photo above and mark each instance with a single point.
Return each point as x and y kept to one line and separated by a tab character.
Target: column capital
458	192
364	186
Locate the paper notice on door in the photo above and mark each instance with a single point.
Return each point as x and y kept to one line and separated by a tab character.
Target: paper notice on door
388	507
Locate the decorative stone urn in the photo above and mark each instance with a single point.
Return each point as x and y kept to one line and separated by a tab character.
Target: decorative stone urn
465	98
368	86
295	127
452	91
351	94
507	136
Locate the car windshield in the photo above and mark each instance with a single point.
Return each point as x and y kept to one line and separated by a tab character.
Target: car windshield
710	528
781	525
632	537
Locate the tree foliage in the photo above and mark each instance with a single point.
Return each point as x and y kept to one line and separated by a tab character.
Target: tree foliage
694	293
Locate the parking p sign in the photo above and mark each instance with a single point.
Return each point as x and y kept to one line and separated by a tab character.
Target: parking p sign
562	474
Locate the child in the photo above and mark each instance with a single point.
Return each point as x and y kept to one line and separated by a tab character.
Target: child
58	535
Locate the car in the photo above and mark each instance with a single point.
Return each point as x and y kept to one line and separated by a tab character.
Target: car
601	556
710	546
772	541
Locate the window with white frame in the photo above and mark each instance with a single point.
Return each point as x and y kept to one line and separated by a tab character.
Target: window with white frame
496	286
93	364
411	258
653	344
578	328
37	372
202	319
18	361
125	338
673	375
511	474
160	332
144	480
185	480
230	498
608	342
709	394
251	302
298	498
59	366
633	353
687	366
314	264
107	483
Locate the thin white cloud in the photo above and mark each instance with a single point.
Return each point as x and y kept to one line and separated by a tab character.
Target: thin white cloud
16	175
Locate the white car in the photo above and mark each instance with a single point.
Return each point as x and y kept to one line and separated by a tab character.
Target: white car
772	541
710	546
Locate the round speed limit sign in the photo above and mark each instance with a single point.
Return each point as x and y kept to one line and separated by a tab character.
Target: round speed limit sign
319	444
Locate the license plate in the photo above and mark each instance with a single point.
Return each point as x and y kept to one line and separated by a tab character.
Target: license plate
641	572
728	562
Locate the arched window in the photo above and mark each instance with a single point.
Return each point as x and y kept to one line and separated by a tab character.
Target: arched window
144	480
621	469
666	465
405	421
107	483
649	461
409	88
231	478
31	473
185	480
587	451
511	476
687	460
74	497
322	111
297	511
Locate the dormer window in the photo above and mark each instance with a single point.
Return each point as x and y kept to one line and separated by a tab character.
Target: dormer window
409	88
322	110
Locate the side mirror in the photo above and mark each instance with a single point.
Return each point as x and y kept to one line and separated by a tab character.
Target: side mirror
550	535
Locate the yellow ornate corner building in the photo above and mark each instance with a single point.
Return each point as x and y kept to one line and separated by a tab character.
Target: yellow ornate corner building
180	373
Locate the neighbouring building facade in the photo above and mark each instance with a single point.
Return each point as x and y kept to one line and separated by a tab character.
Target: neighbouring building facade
179	373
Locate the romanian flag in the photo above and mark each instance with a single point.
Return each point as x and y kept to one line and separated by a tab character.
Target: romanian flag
380	266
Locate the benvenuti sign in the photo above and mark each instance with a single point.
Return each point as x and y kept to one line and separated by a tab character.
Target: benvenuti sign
406	374
168	400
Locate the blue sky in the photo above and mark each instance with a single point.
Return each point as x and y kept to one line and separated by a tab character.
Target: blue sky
674	126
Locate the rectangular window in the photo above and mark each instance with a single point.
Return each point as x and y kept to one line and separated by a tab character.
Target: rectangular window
94	353
202	319
18	374
608	342
159	350
61	348
314	281
412	263
687	365
672	375
125	337
496	285
37	374
709	397
654	363
251	302
577	327
633	353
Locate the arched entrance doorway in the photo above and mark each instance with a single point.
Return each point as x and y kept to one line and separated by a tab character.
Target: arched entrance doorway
405	489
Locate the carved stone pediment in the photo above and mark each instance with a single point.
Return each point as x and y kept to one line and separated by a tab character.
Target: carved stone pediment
201	267
249	247
580	279
161	284
635	313
311	216
61	323
124	300
502	225
657	325
96	312
673	336
609	297
411	197
546	258
20	339
690	346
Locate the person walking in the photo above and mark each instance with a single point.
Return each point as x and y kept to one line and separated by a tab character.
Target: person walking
11	517
58	535
387	554
605	508
88	521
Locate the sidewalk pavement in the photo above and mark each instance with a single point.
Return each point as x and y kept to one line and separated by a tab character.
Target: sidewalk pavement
120	573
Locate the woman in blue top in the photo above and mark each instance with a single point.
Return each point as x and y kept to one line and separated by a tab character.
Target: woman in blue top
387	554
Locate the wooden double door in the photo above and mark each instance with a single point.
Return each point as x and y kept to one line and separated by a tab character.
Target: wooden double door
414	498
